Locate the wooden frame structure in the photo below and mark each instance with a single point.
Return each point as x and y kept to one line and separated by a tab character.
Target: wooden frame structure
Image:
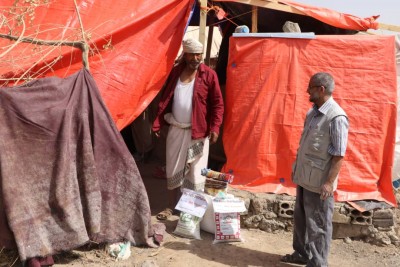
271	4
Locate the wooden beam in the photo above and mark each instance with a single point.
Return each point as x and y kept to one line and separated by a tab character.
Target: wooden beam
203	21
271	4
388	27
254	19
209	44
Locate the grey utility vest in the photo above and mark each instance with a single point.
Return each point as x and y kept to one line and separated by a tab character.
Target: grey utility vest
313	161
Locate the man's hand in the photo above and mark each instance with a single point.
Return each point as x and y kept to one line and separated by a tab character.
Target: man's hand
213	137
326	190
157	133
327	187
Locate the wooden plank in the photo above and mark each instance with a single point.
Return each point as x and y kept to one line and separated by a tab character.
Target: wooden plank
203	21
270	4
254	19
388	27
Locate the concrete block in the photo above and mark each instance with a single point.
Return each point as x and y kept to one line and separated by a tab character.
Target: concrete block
362	218
341	230
383	214
383	223
286	209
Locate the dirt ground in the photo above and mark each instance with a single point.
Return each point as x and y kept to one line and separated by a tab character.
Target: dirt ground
258	249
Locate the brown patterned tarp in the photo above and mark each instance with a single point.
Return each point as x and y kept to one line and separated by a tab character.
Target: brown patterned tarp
66	176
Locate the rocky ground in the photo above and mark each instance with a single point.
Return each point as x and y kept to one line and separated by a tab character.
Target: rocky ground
258	249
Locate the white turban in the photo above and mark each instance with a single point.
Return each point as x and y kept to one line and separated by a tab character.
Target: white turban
192	46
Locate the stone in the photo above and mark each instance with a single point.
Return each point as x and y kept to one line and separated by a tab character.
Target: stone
343	210
270	215
382	238
396	243
290	26
340	218
251	222
384	229
393	237
369	230
271	225
149	263
347	240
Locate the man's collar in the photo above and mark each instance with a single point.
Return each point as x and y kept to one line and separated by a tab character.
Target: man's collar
325	107
201	67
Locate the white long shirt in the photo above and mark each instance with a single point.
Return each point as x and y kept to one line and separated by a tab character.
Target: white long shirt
182	103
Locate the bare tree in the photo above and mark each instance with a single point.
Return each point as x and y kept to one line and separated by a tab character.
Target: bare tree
35	55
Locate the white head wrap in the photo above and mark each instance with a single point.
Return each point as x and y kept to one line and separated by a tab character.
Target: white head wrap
192	46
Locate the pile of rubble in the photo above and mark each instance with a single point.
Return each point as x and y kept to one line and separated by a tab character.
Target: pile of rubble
272	213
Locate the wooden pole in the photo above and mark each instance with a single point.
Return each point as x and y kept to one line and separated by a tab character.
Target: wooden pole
254	19
203	21
209	43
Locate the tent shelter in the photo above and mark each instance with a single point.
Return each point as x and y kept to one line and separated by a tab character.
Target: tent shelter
263	146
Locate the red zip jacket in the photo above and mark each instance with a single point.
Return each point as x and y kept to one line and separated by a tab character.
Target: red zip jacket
208	105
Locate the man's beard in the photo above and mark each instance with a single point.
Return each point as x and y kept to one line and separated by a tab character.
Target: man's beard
194	65
313	98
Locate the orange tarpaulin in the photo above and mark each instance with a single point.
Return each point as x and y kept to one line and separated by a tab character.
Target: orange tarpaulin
266	103
328	16
133	45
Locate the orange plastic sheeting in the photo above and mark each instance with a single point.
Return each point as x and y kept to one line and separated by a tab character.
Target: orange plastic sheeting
266	104
331	17
133	46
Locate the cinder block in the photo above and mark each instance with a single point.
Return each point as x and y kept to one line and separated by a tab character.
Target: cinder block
362	218
383	222
286	209
341	230
383	214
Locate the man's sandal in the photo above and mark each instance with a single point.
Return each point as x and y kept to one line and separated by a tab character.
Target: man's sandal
294	258
165	214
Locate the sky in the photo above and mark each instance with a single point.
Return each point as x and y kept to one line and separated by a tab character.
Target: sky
389	10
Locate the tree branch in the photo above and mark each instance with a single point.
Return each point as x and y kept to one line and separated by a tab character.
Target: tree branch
77	44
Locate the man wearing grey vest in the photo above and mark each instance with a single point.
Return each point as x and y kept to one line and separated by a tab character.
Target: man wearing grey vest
319	158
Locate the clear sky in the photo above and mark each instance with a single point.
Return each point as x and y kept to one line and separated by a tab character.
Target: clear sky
389	10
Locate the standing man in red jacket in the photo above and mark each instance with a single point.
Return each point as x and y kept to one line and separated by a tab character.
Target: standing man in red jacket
193	107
